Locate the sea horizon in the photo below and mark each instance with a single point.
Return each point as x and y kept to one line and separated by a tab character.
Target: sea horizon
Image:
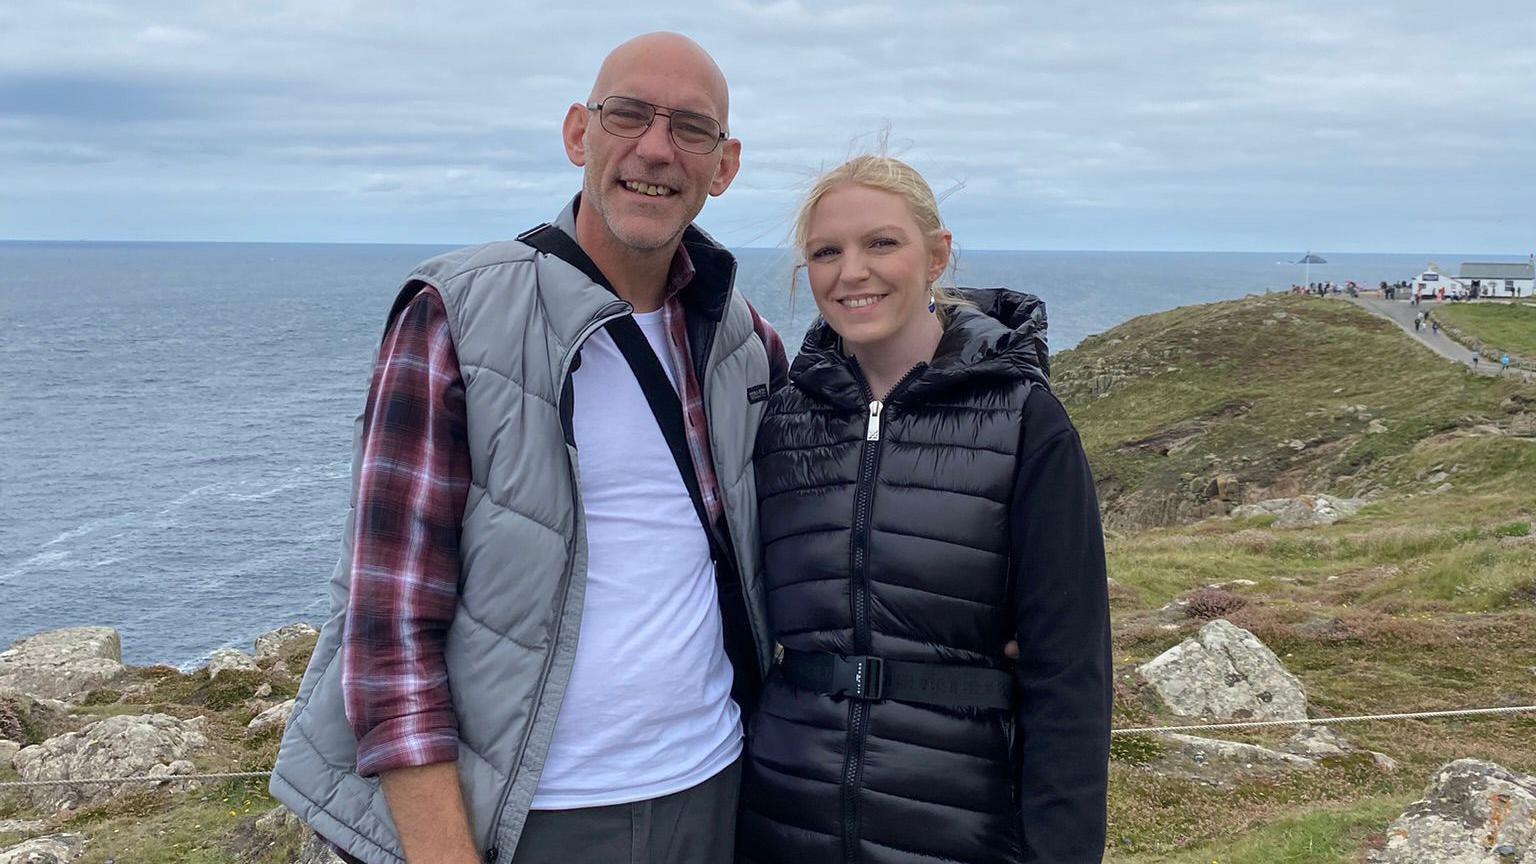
177	432
963	248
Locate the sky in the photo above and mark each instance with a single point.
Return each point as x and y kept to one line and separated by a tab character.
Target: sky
1377	125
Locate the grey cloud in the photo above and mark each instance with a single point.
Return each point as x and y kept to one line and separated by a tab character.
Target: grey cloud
1110	124
93	100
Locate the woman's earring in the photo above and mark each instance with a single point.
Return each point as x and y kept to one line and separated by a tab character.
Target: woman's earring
933	299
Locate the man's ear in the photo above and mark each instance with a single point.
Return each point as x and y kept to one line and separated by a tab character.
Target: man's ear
573	133
730	163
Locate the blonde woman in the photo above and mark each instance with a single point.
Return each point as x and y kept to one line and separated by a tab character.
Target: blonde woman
924	500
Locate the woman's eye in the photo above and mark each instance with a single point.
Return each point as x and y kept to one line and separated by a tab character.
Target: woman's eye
823	252
883	242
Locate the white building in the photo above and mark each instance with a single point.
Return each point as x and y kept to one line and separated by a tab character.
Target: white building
1432	282
1499	280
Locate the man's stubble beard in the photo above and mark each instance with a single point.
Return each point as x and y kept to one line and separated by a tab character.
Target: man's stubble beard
629	239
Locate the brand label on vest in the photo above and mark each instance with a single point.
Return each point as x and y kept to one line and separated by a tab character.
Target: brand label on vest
757	393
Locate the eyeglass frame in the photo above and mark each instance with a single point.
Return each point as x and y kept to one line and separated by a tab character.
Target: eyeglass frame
661	111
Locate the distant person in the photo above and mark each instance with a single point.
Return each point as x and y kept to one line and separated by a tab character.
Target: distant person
1434	327
1475	359
1503	363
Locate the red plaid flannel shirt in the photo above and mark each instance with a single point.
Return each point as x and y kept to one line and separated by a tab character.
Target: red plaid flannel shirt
410	502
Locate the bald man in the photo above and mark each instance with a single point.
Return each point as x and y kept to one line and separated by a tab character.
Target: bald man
547	622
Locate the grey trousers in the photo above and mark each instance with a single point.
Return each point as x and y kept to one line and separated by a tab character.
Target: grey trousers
694	826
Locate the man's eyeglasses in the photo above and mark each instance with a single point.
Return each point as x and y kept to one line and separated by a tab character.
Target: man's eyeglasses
629	118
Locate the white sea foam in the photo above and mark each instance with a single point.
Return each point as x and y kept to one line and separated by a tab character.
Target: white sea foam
77	531
186	498
36	562
314	478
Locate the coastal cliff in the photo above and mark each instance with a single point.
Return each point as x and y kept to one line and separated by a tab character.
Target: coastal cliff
1308	514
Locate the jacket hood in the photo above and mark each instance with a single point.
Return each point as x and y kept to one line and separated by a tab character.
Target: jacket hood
1001	336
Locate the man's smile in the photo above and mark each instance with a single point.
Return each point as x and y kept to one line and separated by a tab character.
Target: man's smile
652	190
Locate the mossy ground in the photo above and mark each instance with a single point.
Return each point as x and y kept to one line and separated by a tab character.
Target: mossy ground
214	823
1283	393
1424	600
1498	326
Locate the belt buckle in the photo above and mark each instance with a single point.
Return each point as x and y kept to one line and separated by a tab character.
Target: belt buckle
869	678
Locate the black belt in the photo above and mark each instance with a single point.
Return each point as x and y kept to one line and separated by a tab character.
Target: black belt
876	679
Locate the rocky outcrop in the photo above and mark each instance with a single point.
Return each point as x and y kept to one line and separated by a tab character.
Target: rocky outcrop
63	664
23	826
230	660
124	746
280	822
280	643
1306	511
1321	742
1218	763
275	717
1473	812
1225	672
1224	763
8	750
55	849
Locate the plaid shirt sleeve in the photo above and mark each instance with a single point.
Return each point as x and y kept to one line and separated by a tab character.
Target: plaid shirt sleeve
778	362
412	487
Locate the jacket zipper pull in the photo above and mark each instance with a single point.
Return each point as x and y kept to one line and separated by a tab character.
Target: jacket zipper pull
873	432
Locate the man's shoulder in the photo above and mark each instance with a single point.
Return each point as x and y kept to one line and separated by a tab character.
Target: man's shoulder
439	270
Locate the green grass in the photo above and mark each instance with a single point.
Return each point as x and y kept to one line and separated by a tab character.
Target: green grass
1231	388
1332	834
1498	327
1426	599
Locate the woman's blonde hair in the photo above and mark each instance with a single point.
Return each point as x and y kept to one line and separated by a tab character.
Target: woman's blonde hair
886	174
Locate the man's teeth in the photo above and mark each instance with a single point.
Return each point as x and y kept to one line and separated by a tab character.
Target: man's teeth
861	302
647	189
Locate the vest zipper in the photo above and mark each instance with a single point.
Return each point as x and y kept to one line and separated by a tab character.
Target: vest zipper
858	597
727	543
606	314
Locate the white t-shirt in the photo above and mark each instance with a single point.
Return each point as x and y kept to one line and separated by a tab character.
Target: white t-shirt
648	710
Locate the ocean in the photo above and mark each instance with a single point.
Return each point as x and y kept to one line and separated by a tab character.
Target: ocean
175	418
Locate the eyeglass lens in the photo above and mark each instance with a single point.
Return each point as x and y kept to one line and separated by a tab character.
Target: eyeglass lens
629	118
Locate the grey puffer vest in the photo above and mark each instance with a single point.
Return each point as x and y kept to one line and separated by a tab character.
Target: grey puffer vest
519	319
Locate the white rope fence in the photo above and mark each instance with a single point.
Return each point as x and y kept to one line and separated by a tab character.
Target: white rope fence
142	778
1325	721
1249	724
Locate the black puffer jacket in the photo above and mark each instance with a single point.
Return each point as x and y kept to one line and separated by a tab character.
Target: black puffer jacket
969	521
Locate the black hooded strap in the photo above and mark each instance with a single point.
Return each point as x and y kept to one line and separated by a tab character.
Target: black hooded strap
659	393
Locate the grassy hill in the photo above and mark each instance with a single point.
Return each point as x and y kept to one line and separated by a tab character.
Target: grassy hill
1424	600
1493	328
1189	411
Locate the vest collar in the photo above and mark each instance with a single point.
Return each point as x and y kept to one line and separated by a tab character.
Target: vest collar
1001	335
714	268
